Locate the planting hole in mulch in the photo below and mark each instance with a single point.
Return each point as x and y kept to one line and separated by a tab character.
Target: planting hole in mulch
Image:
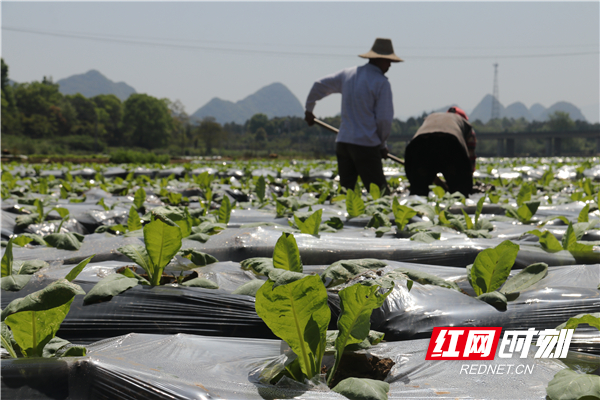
164	279
355	365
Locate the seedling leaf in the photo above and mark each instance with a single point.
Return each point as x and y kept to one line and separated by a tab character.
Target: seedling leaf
286	254
355	205
7	259
363	389
78	268
109	287
356	305
592	319
298	314
492	267
568	384
163	241
525	278
133	221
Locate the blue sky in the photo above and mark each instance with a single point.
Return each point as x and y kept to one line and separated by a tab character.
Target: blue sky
194	51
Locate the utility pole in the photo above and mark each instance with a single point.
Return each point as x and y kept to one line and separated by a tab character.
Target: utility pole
495	101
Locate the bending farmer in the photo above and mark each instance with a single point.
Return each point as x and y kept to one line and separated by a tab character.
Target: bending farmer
367	113
444	143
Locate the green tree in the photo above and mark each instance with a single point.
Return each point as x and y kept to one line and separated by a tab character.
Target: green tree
147	121
110	114
560	121
39	110
10	114
86	114
181	125
210	133
257	121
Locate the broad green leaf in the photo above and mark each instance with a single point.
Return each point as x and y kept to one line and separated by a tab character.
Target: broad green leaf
75	351
298	314
581	250
372	339
261	188
28	267
7	340
468	221
23	221
53	346
65	241
426	237
568	384
569	238
343	270
438	191
200	282
249	288
378	220
495	299
133	220
492	267
286	254
139	198
35	318
7	259
592	319
109	287
283	277
335	223
548	241
21	240
402	214
224	211
78	268
494	197
479	209
40	209
524	195
423	278
163	241
14	283
311	224
355	205
525	278
174	198
357	302
137	254
323	197
374	191
363	389
258	265
63	212
584	214
198	258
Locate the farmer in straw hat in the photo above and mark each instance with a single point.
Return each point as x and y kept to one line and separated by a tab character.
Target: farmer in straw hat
367	113
445	143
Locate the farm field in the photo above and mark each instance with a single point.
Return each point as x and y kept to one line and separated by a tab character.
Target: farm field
187	281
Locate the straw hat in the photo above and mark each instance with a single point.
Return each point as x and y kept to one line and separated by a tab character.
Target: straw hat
382	48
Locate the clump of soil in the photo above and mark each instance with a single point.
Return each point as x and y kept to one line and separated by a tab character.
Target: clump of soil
355	365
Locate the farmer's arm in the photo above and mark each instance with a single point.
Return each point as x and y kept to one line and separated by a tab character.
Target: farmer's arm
320	89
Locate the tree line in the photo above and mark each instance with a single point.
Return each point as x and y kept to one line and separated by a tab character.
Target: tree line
38	119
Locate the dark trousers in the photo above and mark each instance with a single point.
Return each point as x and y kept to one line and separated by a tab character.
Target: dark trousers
354	161
432	153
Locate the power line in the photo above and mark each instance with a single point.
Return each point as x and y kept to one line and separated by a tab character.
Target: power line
121	40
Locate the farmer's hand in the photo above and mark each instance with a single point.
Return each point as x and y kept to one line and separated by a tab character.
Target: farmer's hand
309	118
383	152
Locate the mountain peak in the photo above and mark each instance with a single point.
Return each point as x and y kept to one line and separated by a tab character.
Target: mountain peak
93	83
483	111
274	100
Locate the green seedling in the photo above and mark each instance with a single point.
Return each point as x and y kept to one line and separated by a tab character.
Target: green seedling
294	306
355	206
34	319
402	214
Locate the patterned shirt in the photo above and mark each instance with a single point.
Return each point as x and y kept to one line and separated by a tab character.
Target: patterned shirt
367	108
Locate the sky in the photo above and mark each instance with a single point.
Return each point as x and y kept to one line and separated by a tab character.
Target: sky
194	51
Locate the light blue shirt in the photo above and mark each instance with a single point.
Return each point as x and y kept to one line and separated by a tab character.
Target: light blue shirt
367	108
